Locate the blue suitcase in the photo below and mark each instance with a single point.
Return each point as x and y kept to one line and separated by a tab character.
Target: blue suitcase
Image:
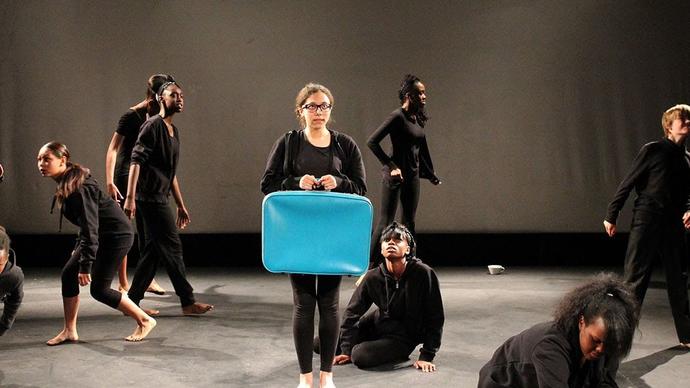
316	232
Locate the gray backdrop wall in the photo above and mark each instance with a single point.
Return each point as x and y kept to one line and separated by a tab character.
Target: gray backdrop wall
537	107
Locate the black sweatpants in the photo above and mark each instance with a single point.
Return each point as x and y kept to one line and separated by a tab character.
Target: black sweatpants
308	291
392	191
111	250
655	236
159	241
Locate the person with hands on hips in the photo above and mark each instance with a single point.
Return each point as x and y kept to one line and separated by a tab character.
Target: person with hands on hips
315	158
661	177
410	159
409	309
105	236
152	178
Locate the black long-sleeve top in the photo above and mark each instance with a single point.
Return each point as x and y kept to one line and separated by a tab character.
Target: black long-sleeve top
344	162
540	357
661	177
98	217
410	149
157	153
11	292
128	127
410	306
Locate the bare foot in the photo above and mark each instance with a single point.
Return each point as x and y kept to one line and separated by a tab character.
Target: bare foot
142	330
152	312
685	345
196	308
65	336
306	380
155	288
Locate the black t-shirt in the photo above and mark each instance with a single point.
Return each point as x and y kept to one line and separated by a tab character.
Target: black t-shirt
128	127
311	159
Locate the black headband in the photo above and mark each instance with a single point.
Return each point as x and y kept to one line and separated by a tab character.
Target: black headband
164	86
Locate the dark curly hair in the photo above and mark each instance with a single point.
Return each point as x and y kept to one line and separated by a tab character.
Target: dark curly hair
607	297
408	87
398	231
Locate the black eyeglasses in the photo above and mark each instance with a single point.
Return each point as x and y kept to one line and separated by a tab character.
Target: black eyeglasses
313	107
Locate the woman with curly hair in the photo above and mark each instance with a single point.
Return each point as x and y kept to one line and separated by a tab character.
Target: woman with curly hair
591	332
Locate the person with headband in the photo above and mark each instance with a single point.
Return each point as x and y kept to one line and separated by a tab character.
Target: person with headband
409	309
152	178
118	157
105	236
661	177
410	159
11	283
315	158
591	332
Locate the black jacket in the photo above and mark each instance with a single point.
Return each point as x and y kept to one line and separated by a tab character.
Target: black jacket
11	292
661	177
157	153
410	307
540	357
98	217
279	174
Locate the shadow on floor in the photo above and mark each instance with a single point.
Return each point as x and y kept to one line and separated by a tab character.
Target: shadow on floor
631	372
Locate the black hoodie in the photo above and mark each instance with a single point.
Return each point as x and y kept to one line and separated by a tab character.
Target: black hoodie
410	307
11	292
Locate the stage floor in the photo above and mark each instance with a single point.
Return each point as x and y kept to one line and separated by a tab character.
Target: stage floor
247	340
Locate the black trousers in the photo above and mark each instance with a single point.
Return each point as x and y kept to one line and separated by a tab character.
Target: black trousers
308	291
407	192
111	250
159	241
652	237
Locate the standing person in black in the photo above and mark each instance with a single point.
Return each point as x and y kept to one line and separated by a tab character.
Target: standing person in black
105	236
661	177
409	309
409	161
118	157
591	332
316	158
11	283
154	159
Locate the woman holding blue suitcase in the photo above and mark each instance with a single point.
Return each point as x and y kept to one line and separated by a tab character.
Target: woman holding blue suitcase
315	158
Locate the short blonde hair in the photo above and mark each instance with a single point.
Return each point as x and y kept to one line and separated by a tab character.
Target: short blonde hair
679	111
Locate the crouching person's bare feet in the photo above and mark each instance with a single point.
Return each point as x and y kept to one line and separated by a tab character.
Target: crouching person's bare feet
65	336
143	329
196	308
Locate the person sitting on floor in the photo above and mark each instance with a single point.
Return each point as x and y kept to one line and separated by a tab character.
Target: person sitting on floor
591	332
409	309
11	283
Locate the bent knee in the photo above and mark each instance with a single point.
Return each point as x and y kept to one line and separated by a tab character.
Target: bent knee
362	359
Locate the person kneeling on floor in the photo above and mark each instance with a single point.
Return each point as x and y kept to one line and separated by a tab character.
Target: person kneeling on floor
11	283
409	309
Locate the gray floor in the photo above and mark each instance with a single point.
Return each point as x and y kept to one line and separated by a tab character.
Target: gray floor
247	340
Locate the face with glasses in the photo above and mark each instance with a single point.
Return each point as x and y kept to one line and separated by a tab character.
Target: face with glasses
316	110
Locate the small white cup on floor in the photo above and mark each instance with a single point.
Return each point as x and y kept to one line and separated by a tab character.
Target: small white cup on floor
496	269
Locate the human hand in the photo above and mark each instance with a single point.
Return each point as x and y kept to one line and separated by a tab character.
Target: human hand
397	173
328	182
113	192
425	366
84	279
342	359
611	228
182	218
307	182
130	207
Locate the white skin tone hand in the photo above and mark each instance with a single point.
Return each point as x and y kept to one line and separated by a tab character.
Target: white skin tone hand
611	228
425	366
328	182
686	220
341	359
397	172
307	182
182	218
113	192
84	279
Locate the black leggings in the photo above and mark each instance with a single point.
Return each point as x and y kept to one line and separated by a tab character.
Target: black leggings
110	252
407	192
307	292
159	241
